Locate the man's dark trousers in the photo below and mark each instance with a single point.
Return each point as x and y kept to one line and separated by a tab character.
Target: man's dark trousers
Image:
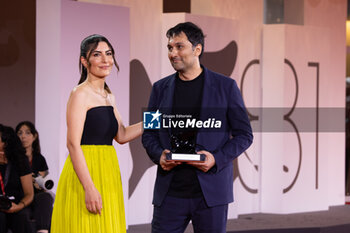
175	213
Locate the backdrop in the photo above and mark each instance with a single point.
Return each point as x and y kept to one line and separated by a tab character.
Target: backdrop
292	78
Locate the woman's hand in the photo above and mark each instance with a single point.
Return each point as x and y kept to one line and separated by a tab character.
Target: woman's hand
93	200
36	186
125	134
14	208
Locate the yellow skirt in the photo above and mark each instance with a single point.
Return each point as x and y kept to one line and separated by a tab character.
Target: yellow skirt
70	214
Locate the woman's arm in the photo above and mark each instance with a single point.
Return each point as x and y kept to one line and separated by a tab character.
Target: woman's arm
3	159
43	173
76	113
41	165
27	186
125	134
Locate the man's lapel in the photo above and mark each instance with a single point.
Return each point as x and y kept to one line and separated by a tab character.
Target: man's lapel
208	103
166	103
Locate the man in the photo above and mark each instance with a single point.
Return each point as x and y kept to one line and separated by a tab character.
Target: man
197	191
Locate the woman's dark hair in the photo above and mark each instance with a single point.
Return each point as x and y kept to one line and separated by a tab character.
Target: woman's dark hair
13	148
36	142
87	46
193	32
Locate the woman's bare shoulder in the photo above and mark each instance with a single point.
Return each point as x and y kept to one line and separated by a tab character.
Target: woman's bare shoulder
79	96
79	91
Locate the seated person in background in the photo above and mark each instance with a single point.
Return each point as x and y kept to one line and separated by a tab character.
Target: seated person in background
29	137
15	183
43	201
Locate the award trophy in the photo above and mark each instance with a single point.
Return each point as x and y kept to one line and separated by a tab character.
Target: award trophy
183	150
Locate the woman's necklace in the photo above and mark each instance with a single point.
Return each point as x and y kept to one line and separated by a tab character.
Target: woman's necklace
100	94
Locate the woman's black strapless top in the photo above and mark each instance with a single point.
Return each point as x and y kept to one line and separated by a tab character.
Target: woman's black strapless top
100	126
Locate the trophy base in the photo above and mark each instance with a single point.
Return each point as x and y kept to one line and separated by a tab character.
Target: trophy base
185	157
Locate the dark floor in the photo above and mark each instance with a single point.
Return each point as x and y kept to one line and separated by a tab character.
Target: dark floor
335	220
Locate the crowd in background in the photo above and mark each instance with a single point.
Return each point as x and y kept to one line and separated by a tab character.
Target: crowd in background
25	204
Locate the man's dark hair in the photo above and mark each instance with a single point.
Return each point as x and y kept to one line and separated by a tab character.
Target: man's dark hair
193	32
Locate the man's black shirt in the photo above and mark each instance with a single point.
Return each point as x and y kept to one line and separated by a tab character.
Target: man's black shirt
187	100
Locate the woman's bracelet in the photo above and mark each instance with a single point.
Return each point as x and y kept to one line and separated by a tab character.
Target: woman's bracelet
24	204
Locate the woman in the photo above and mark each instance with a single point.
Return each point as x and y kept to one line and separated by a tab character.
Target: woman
29	137
15	183
43	201
89	196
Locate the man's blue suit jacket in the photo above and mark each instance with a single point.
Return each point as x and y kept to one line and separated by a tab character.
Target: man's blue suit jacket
221	100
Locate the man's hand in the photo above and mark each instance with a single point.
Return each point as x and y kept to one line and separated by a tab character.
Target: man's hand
166	164
207	164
